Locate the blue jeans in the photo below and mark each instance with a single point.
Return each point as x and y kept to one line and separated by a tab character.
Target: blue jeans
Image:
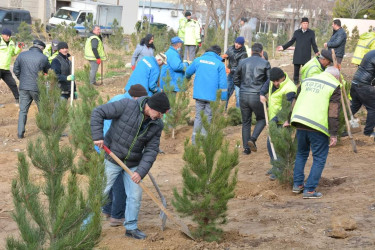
232	88
319	144
133	192
115	206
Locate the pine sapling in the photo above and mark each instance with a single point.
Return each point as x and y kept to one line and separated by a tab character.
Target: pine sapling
208	177
50	213
285	146
179	102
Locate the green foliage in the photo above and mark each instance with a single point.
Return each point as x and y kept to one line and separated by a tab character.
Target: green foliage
208	179
342	124
179	102
285	146
80	123
354	9
24	33
266	40
234	116
116	40
67	33
323	32
353	40
370	28
282	37
50	212
215	36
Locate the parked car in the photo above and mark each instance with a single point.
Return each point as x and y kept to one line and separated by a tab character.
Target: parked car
11	18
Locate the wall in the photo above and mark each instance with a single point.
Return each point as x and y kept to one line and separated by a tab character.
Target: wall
362	24
162	16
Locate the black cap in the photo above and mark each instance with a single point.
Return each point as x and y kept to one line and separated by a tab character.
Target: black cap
304	19
276	74
244	19
327	54
187	13
39	43
6	31
137	90
62	45
159	102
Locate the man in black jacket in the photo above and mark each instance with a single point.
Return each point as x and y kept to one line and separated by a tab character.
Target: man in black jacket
134	136
305	39
250	76
234	55
363	91
63	69
337	41
26	68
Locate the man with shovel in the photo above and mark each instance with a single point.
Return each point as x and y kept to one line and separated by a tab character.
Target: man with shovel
134	136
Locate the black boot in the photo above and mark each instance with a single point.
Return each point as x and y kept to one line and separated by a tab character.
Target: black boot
136	234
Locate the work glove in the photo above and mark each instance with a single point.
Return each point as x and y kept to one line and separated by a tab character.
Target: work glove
224	56
21	45
227	70
71	78
98	61
224	95
133	67
200	45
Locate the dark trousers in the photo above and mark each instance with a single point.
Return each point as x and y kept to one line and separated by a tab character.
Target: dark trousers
249	104
116	200
6	75
26	98
364	95
296	73
318	143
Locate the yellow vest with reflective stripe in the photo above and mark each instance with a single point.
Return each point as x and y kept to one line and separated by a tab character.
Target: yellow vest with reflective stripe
89	54
311	108
6	53
311	68
275	99
365	44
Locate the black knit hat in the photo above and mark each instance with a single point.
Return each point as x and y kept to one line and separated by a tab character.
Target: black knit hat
276	74
62	45
137	90
187	13
304	19
327	54
159	102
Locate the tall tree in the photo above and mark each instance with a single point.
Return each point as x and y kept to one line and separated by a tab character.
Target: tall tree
352	8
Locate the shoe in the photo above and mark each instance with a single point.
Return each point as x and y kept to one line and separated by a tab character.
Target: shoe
272	177
312	195
20	136
372	134
136	234
298	189
247	151
269	171
116	222
97	84
252	145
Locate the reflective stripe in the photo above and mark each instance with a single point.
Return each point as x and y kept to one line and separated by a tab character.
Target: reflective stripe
312	122
307	73
321	81
357	57
368	45
361	46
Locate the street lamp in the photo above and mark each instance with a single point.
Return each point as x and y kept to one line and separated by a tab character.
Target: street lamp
365	16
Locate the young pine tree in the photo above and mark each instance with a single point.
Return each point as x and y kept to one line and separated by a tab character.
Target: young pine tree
208	179
179	102
50	213
285	146
80	117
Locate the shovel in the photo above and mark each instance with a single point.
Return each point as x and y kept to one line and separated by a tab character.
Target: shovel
162	215
269	137
354	122
182	226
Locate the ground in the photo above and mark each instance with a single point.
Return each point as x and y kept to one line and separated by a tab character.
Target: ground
263	213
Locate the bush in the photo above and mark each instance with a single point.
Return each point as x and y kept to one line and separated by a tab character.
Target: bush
24	33
68	34
116	40
234	116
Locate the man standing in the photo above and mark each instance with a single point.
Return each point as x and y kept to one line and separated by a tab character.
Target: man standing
317	64
8	49
63	69
305	40
210	76
134	137
245	30
175	67
26	68
51	50
365	44
192	39
234	55
337	41
147	73
363	91
250	76
115	207
182	23
94	52
316	117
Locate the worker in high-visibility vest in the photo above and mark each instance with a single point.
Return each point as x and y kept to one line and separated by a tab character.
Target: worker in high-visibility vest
365	44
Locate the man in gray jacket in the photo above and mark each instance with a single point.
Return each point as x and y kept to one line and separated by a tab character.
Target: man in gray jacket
26	68
134	137
250	76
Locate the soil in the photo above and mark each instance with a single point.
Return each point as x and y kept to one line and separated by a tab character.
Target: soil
263	214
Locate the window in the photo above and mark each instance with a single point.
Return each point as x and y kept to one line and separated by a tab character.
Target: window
81	18
8	17
67	14
16	16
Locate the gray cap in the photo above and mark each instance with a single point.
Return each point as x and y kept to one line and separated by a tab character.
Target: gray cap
54	44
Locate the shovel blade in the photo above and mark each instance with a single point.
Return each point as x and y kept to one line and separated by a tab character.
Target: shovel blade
354	123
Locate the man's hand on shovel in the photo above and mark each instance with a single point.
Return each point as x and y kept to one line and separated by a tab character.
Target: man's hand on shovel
99	143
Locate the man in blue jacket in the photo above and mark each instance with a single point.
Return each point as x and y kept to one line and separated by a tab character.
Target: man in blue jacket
337	41
174	66
147	73
210	77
